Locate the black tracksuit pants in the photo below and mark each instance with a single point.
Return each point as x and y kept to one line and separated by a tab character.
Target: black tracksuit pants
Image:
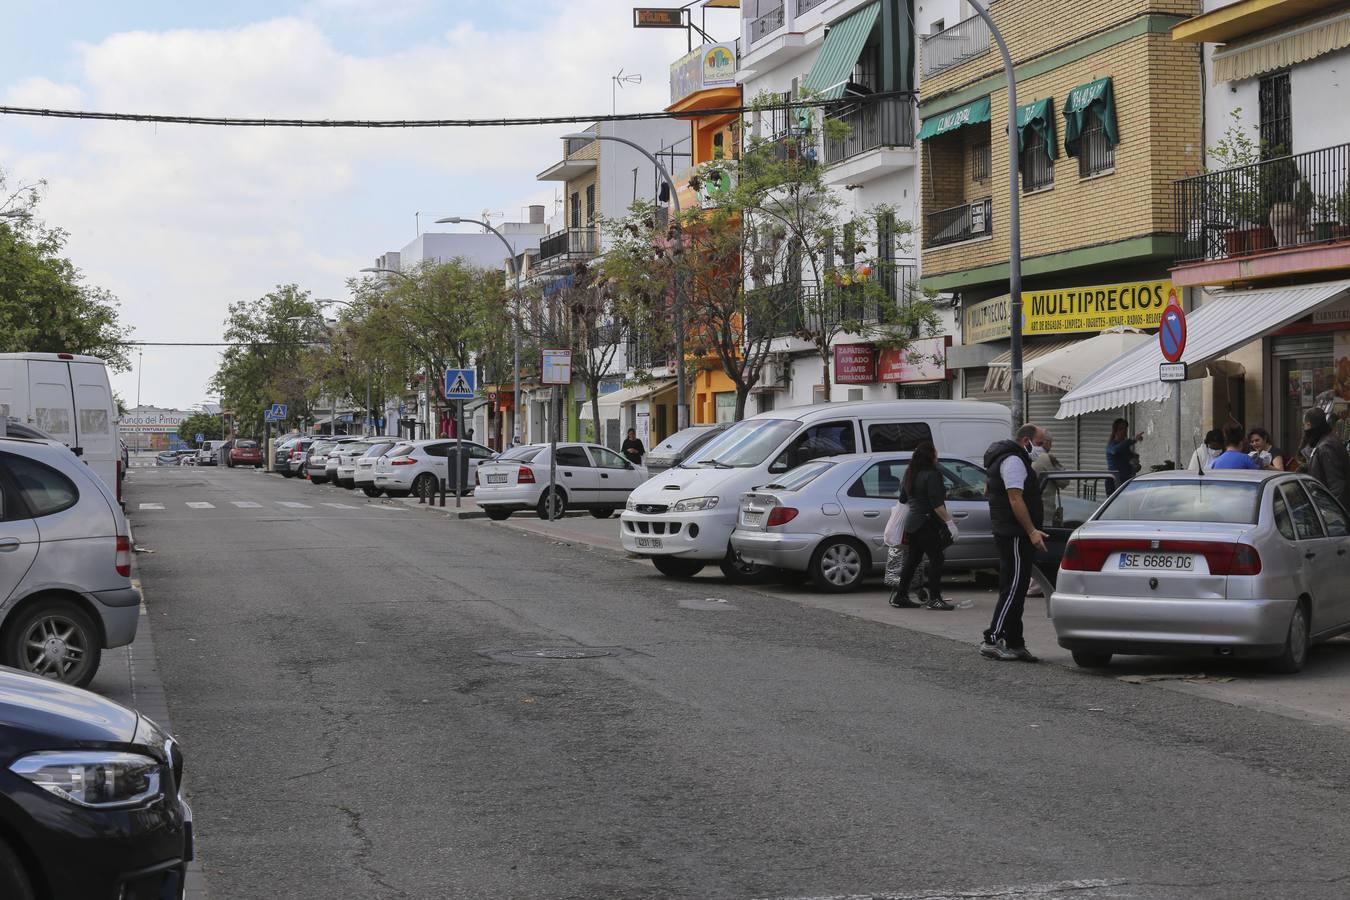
1017	557
918	544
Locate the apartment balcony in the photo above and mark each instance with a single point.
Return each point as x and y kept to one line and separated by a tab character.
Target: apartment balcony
779	308
567	246
810	306
772	17
643	352
880	140
968	221
805	6
1269	219
950	48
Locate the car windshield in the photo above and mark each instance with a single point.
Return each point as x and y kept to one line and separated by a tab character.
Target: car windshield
245	445
680	440
401	450
800	477
1200	500
524	454
743	445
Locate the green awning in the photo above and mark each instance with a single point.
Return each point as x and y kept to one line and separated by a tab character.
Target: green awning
839	53
1096	96
1038	118
973	113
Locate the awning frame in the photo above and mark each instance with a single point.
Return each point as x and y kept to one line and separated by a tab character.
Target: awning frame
840	51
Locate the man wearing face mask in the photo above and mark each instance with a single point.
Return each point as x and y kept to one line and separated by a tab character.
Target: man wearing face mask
1015	509
1328	460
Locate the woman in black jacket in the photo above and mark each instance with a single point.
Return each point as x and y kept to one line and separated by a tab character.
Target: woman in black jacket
928	527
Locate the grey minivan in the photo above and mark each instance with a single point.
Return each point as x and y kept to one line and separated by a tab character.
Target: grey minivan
65	564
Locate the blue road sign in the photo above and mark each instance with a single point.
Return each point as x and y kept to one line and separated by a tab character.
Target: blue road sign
460	384
278	411
200	437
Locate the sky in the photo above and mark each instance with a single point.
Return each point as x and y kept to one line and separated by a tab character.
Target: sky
181	221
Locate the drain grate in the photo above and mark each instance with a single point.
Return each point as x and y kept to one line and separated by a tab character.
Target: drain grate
563	653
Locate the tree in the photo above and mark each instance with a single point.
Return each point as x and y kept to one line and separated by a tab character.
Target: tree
205	424
45	304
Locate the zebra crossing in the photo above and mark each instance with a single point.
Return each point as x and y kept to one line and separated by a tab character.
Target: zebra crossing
285	504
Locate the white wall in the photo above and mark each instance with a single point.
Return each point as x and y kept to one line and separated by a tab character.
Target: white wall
477	249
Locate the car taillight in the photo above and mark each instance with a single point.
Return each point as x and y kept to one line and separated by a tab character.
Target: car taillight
403	461
1089	554
123	558
525	475
1246	561
780	515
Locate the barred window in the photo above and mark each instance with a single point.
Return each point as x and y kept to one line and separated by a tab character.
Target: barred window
981	161
1038	169
1095	153
1277	117
590	205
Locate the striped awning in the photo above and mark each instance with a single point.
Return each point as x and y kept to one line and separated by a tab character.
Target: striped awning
1248	59
839	52
999	377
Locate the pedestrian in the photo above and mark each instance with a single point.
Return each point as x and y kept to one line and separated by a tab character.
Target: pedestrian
1235	455
1328	460
1266	454
1207	452
632	448
929	528
1016	513
1043	459
1120	455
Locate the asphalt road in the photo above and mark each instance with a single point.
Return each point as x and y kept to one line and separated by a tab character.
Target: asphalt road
363	717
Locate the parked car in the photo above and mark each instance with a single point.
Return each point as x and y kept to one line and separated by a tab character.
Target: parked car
186	457
678	447
281	455
245	453
65	564
298	457
209	452
363	475
90	797
346	456
589	477
1230	563
695	505
316	463
166	458
418	466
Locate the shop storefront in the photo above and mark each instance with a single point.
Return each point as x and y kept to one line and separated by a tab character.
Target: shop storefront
1308	365
917	372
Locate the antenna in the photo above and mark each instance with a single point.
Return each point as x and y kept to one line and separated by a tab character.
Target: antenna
619	81
489	215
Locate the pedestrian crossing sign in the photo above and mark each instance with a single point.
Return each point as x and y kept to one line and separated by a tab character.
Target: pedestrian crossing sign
460	384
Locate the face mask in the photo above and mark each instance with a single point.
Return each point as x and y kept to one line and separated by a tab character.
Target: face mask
1037	452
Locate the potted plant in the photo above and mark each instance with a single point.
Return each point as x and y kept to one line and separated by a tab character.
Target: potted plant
1288	198
1242	197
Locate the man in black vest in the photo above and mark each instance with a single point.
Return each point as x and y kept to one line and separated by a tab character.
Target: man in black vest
1016	512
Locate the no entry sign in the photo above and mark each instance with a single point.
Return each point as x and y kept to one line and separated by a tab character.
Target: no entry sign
1172	330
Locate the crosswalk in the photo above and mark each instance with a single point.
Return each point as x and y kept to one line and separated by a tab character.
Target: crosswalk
285	504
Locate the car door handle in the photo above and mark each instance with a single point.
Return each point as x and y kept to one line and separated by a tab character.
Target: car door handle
871	514
960	515
604	474
1309	555
9	545
567	474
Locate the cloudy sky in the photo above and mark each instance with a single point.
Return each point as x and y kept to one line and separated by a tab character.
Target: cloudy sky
179	221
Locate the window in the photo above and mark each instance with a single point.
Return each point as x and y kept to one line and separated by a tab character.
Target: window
881	480
1282	520
747	443
825	439
573	456
963	480
1095	153
93	421
575	200
478	451
1301	510
801	476
1276	129
1333	516
53	420
608	459
1069	502
897	437
981	161
436	451
43	489
1038	169
1187	501
938	27
522	454
590	205
725	403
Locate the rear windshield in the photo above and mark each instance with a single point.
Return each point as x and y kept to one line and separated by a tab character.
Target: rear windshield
800	477
1201	500
521	454
401	450
378	449
743	445
245	445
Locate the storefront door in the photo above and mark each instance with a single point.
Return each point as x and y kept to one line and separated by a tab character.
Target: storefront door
1306	376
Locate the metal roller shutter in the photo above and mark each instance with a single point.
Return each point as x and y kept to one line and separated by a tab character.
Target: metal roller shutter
1041	409
975	379
1094	433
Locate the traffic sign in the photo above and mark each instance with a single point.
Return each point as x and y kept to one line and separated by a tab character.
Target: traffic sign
460	384
278	411
1172	330
1171	372
200	437
557	367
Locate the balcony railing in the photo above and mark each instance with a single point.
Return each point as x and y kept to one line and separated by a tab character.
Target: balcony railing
572	145
786	309
878	123
568	244
805	6
1288	201
961	223
646	353
775	310
770	20
964	40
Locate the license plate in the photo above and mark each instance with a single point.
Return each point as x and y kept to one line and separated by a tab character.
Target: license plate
497	479
751	518
649	543
1158	562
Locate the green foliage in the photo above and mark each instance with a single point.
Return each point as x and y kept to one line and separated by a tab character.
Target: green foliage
208	426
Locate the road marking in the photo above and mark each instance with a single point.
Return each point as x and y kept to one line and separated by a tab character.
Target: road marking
200	504
339	506
291	504
246	504
1040	891
152	506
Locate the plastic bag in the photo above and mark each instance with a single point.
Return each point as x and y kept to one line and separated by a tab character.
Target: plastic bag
894	534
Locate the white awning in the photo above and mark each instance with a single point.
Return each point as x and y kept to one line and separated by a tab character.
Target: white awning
624	396
1228	321
999	377
1068	367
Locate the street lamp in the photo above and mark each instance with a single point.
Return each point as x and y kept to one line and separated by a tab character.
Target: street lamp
515	320
681	406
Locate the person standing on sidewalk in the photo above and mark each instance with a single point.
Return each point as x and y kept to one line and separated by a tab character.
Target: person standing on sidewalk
1015	509
1121	457
1328	460
632	448
928	527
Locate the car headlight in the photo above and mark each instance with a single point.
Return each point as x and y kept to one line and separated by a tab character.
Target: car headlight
631	504
694	504
96	779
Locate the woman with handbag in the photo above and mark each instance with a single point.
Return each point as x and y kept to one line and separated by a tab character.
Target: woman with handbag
929	529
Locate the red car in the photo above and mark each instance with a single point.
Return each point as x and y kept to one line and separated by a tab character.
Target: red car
245	453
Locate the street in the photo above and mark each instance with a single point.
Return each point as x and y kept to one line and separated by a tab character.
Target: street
379	702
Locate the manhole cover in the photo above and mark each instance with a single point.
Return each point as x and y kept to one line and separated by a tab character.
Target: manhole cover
562	653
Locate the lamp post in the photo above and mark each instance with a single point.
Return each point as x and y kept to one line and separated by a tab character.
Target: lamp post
681	406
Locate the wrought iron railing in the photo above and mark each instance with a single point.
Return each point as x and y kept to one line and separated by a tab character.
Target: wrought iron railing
644	352
1284	202
570	243
877	123
961	223
964	40
775	310
805	6
769	21
788	308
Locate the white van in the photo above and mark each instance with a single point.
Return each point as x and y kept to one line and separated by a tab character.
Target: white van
70	398
682	519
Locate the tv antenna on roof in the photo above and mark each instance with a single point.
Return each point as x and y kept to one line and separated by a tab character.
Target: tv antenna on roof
619	81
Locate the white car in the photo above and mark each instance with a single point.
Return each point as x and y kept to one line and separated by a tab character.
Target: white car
364	476
344	474
589	477
418	466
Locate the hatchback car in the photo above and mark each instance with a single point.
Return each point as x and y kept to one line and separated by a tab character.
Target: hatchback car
316	462
1226	563
680	446
346	455
589	477
166	458
245	453
65	564
417	466
363	475
90	797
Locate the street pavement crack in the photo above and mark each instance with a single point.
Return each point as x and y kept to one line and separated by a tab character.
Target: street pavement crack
364	848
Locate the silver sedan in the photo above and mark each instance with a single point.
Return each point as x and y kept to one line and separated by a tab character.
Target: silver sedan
1221	564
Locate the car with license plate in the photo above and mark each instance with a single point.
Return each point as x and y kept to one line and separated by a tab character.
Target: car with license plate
679	446
588	476
417	467
245	453
316	462
363	474
1225	563
345	456
91	800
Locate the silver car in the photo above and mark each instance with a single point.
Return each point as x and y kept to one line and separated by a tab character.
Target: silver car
1226	563
65	564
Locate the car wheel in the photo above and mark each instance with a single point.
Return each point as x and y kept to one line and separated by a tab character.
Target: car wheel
55	639
603	513
559	504
1091	659
1295	653
14	881
497	515
674	567
738	571
838	565
371	491
424	485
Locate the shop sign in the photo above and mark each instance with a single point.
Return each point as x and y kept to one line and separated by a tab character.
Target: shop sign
710	66
151	420
1336	313
855	363
647	17
923	360
1137	304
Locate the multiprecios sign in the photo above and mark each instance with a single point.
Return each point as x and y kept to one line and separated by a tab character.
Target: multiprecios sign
1067	310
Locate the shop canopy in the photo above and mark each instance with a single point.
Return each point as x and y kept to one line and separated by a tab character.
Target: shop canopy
1000	367
1036	122
1228	321
839	53
973	113
1095	96
625	396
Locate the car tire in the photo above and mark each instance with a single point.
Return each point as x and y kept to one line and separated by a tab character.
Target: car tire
1295	652
54	617
559	503
497	515
738	571
675	567
839	564
425	485
603	513
1092	659
14	881
371	491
